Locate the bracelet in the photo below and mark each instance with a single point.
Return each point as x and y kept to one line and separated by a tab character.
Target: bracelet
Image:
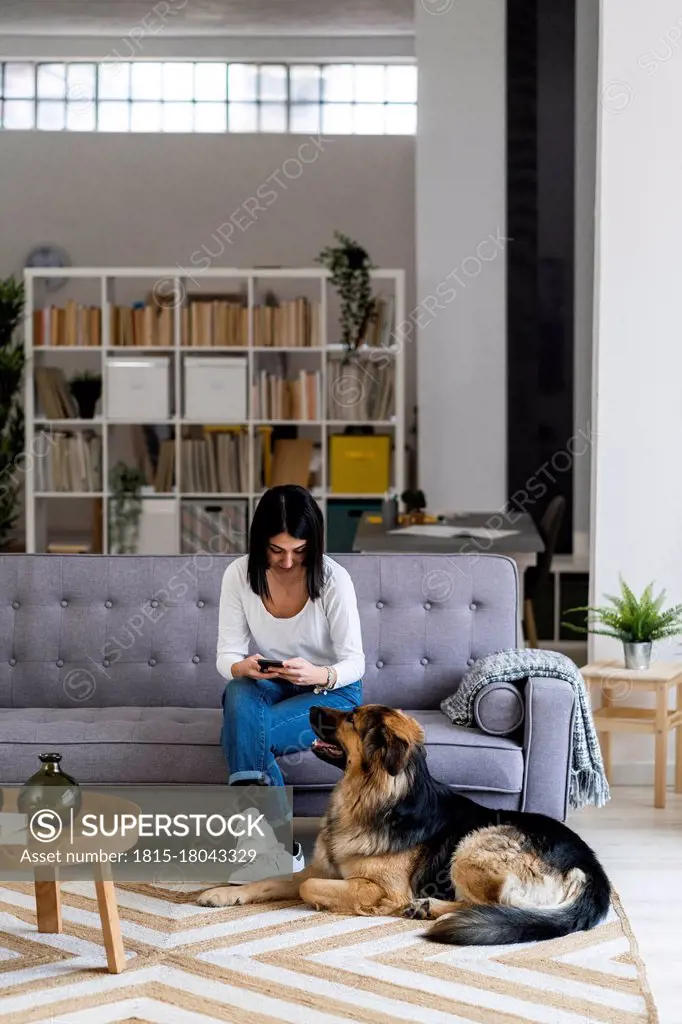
330	684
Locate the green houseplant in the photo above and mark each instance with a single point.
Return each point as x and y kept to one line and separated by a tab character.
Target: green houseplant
86	388
125	509
11	413
349	265
635	621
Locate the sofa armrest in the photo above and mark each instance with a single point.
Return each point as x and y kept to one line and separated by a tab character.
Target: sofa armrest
548	746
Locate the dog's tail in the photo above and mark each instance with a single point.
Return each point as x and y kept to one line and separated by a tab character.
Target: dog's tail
498	924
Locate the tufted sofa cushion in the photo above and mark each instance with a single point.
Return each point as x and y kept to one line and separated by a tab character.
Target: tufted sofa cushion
464	758
128	631
182	745
185	726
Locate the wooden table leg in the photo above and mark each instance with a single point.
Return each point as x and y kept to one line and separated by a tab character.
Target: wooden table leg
678	743
661	746
111	926
48	901
605	737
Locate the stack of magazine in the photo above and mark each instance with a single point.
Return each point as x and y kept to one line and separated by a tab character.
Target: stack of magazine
69	462
217	463
275	397
361	390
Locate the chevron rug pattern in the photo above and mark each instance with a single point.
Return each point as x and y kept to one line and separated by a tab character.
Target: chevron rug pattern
285	962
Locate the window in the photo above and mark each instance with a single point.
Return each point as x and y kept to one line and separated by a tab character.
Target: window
182	96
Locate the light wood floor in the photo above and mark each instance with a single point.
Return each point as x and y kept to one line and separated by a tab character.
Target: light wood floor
641	849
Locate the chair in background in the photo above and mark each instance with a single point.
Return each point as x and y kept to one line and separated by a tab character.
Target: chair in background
535	577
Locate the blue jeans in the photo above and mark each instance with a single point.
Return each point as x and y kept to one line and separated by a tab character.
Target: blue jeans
266	718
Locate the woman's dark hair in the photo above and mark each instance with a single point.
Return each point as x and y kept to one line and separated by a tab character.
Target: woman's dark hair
287	509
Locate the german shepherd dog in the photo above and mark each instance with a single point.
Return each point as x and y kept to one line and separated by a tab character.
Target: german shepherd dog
394	841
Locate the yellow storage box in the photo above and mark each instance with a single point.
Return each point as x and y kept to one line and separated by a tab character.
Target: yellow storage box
360	463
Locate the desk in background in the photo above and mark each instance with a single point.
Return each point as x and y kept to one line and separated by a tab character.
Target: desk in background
523	545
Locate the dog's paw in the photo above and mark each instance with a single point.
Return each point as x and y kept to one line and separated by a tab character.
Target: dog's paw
225	896
418	910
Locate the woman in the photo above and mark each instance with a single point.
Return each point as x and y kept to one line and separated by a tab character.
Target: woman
294	604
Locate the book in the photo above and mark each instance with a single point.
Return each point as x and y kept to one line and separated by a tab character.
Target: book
54	396
359	391
275	397
165	470
216	463
291	461
74	324
215	322
145	458
141	326
72	462
263	456
291	324
59	548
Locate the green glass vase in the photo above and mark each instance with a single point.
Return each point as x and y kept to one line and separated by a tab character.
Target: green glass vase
50	788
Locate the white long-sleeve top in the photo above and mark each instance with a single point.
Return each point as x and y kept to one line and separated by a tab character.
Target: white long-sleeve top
325	632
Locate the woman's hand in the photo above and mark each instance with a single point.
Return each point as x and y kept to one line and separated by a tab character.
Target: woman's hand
249	668
302	673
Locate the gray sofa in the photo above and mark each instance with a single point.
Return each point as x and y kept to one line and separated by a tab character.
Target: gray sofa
111	660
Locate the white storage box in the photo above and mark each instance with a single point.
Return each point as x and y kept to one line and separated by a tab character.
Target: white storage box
215	388
158	527
138	389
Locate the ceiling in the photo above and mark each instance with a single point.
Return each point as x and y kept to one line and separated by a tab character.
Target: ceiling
208	17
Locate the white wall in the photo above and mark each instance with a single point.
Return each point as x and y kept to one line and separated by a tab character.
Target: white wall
637	483
150	199
156	42
461	167
117	200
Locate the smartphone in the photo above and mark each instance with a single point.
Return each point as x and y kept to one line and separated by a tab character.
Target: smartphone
264	664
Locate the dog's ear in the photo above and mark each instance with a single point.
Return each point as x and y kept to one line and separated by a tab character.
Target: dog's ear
395	757
372	744
392	749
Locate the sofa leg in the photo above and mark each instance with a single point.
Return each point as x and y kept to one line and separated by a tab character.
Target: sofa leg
529	623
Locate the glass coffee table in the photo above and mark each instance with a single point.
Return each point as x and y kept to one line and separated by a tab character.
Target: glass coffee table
97	852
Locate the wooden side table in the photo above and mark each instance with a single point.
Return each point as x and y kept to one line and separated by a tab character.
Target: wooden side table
47	876
616	684
49	911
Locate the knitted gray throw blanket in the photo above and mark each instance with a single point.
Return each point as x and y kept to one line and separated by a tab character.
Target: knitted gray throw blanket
588	784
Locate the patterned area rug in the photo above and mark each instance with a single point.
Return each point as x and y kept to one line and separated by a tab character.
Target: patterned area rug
280	962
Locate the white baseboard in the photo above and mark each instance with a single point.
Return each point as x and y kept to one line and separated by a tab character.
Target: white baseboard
638	773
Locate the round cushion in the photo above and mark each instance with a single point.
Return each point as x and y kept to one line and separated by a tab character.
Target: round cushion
499	709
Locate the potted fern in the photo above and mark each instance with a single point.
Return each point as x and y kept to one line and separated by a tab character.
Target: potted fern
86	388
126	484
636	622
349	265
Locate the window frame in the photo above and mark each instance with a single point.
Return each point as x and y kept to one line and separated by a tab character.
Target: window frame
257	102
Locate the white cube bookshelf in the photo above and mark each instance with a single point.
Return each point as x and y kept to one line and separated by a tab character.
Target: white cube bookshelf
318	357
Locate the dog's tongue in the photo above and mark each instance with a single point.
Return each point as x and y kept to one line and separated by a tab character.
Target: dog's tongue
331	747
